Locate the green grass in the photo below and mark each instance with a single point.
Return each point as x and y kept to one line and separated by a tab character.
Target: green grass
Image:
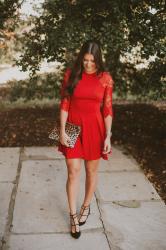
46	102
21	103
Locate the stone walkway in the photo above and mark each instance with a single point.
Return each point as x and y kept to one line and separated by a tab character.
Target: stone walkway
126	211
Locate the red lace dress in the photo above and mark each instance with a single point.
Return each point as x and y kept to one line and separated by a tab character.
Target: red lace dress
90	103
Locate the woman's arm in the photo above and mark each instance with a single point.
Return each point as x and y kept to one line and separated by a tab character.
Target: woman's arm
64	107
107	141
65	100
108	112
108	125
63	119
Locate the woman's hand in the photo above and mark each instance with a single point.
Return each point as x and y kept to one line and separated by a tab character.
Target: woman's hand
107	145
64	138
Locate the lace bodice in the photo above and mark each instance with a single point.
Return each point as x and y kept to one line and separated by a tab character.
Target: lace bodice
103	88
107	82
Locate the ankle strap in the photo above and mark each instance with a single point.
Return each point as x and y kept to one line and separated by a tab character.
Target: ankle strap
73	214
85	206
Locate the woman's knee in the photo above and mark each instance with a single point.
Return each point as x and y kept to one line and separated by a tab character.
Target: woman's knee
91	168
73	175
74	168
91	174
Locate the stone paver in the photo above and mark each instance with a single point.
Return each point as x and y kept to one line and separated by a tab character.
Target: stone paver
43	153
125	186
136	228
9	158
117	162
88	241
5	188
126	211
41	199
9	161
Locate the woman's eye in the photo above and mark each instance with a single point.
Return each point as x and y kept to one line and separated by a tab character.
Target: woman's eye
92	61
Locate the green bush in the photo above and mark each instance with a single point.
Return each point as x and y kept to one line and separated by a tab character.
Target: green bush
38	87
47	86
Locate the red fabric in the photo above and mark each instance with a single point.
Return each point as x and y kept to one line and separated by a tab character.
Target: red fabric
90	103
65	102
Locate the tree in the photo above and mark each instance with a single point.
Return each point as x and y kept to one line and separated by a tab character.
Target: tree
119	25
9	19
8	9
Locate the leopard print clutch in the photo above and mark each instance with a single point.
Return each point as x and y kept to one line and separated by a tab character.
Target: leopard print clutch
71	130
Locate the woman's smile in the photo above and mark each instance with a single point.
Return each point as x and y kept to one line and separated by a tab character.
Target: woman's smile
89	63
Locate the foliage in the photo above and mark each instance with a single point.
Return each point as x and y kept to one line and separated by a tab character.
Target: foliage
9	25
38	87
120	26
9	11
46	88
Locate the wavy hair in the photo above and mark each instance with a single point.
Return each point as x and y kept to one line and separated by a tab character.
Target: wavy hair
90	47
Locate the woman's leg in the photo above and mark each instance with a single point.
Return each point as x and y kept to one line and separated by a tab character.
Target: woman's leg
91	168
72	184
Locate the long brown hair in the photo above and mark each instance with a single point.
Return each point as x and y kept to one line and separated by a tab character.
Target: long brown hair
90	47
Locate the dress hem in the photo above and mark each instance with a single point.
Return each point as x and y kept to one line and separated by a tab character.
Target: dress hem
82	157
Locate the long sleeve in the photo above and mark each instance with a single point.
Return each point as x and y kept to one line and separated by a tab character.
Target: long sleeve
65	101
107	100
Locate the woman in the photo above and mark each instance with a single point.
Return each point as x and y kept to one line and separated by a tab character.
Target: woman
86	100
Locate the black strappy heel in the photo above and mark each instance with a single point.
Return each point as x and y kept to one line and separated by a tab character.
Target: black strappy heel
81	214
77	234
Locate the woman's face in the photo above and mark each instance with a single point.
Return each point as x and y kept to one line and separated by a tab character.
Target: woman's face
89	63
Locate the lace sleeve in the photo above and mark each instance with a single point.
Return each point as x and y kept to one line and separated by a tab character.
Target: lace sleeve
65	101
107	100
